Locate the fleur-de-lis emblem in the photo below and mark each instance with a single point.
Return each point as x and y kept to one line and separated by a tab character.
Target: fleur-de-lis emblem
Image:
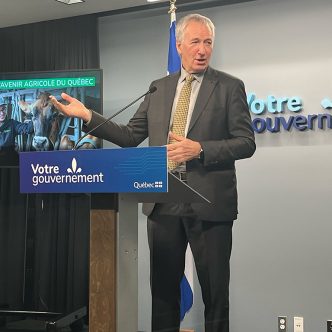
74	168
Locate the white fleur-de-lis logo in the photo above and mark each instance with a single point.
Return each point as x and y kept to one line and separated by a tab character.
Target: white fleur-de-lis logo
74	168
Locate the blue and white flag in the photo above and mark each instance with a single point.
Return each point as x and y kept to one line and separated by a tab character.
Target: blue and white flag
174	65
187	285
174	62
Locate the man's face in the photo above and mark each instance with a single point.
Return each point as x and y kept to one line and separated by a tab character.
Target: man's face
196	47
3	113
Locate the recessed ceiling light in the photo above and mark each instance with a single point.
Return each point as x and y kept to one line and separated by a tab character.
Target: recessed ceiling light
153	0
70	2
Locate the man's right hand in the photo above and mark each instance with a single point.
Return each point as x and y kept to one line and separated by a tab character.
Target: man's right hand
74	108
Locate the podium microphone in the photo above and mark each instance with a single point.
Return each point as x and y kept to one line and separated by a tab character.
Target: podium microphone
151	90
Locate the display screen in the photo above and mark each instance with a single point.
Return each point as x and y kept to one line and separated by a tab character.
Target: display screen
29	121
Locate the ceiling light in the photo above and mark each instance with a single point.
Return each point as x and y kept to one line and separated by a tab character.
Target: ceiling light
70	2
153	0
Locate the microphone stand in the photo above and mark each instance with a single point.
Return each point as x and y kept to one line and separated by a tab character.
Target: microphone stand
151	90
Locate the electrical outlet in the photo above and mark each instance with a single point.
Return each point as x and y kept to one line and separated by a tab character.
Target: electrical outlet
329	326
298	324
282	324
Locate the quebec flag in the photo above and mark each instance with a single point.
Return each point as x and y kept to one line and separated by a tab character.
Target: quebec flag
174	65
174	62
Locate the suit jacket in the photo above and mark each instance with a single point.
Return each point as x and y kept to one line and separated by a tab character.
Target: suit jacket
220	122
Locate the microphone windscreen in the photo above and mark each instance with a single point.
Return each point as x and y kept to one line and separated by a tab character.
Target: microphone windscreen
153	89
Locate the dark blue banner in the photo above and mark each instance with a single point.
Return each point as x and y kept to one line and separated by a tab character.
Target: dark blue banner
101	170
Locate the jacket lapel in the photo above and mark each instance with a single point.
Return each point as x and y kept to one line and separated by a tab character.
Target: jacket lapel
208	84
171	84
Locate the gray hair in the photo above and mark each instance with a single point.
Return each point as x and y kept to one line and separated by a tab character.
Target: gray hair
183	22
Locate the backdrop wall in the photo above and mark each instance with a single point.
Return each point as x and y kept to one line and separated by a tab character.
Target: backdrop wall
281	262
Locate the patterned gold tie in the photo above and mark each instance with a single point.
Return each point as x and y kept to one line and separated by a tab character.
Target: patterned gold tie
180	115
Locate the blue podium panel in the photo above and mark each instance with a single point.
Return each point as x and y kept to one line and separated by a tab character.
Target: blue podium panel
120	170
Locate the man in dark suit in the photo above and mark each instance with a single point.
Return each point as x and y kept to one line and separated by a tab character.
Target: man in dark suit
217	132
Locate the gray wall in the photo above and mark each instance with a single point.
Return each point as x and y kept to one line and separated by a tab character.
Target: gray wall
281	262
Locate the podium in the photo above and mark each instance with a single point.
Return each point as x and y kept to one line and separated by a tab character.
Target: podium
113	285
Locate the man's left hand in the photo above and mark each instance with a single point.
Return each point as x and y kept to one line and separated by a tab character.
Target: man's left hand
183	150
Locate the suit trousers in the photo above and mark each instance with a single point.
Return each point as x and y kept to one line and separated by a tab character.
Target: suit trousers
211	244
